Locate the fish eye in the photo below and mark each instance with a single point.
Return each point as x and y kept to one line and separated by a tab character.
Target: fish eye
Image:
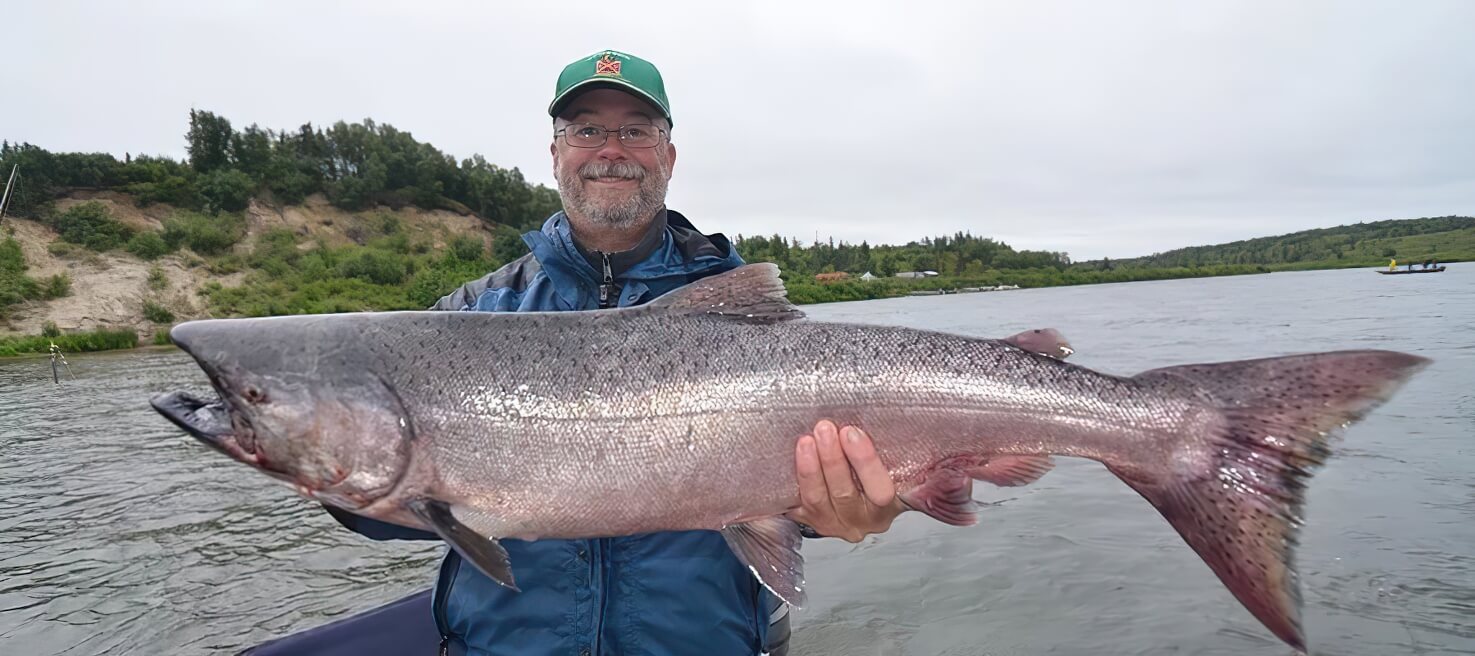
254	395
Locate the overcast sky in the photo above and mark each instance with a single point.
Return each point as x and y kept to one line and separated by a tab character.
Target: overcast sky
1097	128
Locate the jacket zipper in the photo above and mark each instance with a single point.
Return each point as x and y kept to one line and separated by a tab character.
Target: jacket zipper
596	561
608	285
442	597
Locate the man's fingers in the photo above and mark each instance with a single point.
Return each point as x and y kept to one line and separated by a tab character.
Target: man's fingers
874	479
812	490
843	494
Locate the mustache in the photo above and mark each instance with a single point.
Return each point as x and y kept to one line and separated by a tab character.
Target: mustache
627	170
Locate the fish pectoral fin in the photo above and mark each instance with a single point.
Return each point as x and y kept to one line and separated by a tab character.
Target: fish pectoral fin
483	552
770	548
1013	471
751	293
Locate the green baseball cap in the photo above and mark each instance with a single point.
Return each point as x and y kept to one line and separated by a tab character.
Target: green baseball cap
611	69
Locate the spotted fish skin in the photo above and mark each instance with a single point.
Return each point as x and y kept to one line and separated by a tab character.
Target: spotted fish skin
683	414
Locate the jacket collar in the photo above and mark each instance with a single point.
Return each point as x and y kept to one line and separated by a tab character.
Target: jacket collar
623	261
682	251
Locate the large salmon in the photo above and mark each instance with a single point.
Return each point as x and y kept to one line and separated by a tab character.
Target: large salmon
683	414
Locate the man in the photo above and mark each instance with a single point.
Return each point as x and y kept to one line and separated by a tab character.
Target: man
615	244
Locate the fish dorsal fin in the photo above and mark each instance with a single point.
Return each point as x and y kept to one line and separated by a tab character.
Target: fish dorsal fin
751	293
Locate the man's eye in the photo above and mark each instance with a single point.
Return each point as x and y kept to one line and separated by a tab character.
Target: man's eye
587	132
637	132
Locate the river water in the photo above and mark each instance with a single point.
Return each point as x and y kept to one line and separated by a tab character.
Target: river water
119	535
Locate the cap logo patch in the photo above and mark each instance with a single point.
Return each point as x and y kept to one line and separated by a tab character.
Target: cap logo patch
607	65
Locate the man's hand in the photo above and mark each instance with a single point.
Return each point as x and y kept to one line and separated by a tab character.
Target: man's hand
845	490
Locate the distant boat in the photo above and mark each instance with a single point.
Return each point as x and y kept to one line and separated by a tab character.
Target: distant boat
1403	271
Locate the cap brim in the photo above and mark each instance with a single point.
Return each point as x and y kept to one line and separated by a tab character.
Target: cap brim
562	101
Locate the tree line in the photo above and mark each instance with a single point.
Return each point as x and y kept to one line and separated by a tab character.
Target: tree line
355	165
1356	243
960	255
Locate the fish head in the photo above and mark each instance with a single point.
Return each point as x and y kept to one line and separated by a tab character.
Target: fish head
293	407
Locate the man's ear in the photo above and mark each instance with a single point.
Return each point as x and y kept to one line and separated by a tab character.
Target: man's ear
670	159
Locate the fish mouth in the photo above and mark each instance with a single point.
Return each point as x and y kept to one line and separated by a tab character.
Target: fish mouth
212	421
206	421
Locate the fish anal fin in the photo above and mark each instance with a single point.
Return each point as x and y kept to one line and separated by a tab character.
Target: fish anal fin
1013	471
946	491
770	548
945	495
752	293
482	551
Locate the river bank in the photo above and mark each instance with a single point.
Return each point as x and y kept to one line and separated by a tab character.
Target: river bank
802	292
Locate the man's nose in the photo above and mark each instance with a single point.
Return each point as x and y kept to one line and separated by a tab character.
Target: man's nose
613	149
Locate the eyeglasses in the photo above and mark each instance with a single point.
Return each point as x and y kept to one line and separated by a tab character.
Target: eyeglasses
585	135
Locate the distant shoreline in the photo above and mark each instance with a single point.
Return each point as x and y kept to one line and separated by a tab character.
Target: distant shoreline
839	292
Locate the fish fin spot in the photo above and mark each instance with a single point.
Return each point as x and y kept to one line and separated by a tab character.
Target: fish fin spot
752	293
482	551
770	548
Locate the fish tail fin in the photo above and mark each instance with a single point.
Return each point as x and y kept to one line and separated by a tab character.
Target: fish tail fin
1274	416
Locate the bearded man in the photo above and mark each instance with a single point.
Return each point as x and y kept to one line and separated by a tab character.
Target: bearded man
614	245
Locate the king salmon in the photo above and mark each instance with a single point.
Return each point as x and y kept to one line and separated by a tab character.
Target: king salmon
683	414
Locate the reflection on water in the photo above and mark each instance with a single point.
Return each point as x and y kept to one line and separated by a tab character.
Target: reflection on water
120	535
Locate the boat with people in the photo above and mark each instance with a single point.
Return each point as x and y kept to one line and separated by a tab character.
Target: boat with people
1430	266
1403	271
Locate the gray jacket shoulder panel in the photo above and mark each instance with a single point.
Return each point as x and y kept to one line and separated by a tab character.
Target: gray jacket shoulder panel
516	276
691	242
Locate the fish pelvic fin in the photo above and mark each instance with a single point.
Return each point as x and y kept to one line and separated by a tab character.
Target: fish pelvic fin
482	551
1276	416
751	293
770	548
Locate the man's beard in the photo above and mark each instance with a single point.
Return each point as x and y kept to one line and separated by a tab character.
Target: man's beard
616	214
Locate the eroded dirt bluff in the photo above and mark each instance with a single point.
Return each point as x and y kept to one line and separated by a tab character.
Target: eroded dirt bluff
109	289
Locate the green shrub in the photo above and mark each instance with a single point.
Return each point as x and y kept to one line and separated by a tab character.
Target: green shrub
158	281
57	286
148	245
388	224
226	190
161	337
62	249
174	190
15	285
507	244
225	265
374	266
157	313
101	339
203	234
91	225
396	243
466	248
12	259
49	329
